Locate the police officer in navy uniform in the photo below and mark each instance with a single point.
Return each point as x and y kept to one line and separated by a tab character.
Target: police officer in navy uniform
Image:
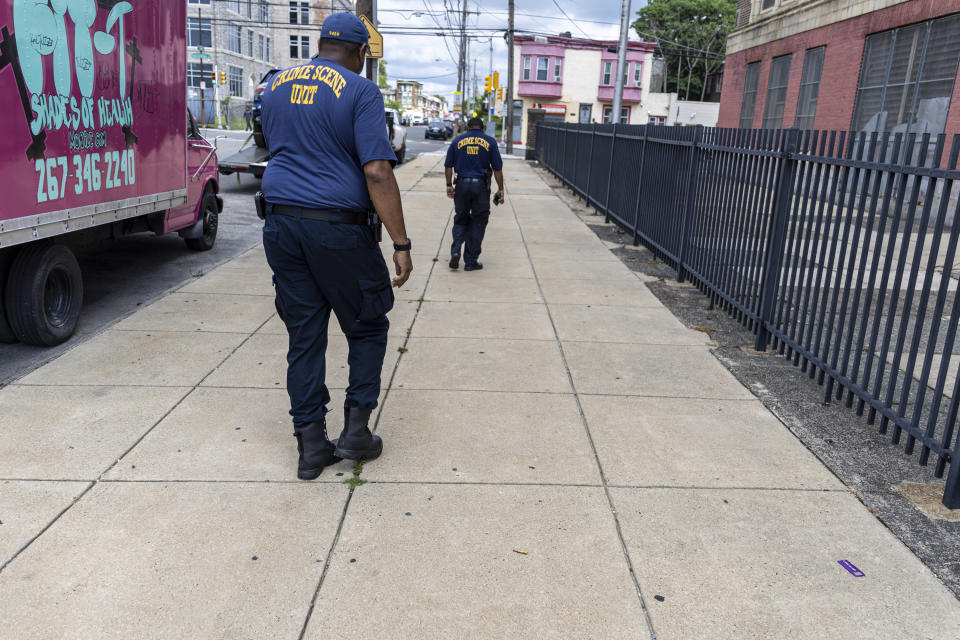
331	166
473	155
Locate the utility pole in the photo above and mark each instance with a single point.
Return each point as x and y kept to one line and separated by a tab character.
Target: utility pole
203	79
368	8
508	98
462	77
621	62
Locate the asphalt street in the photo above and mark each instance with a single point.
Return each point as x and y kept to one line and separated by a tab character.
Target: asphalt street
121	276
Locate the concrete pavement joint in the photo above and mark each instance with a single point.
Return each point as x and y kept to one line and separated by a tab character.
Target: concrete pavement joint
586	427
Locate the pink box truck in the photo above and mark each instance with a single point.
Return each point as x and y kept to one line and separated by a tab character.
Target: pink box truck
97	143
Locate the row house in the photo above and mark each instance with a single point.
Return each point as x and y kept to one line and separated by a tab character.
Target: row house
859	65
572	80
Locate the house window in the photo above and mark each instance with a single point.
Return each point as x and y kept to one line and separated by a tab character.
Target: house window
624	114
907	78
607	73
299	12
235	80
749	95
199	32
234	36
657	119
636	74
526	67
543	64
557	69
809	87
626	74
777	92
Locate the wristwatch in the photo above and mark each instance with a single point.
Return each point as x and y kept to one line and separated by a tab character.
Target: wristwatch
403	247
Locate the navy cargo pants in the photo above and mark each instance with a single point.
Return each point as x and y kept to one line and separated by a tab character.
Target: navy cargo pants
321	266
471	201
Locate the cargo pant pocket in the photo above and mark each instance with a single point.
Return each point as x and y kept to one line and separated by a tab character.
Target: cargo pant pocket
278	301
376	300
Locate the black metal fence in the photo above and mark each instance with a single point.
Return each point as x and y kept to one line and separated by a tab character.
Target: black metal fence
837	249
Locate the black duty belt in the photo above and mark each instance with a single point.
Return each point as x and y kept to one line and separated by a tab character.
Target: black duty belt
341	216
464	179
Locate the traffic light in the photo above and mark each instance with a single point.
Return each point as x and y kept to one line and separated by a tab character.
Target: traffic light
500	93
487	84
223	77
496	79
213	77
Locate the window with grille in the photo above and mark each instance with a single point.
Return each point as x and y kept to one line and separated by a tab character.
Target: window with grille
235	80
907	78
777	92
749	95
199	32
809	87
234	38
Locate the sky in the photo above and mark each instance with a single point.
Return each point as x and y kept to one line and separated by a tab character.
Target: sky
431	59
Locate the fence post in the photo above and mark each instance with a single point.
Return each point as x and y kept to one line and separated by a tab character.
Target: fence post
606	203
776	241
951	497
536	151
689	200
636	206
586	187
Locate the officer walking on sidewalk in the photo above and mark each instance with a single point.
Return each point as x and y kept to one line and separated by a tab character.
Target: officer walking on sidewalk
473	154
331	166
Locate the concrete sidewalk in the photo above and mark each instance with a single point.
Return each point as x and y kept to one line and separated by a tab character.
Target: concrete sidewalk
563	459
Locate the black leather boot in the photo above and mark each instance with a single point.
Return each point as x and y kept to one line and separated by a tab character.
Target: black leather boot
356	442
316	450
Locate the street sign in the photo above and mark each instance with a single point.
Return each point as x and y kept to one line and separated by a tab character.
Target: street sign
200	54
203	86
376	39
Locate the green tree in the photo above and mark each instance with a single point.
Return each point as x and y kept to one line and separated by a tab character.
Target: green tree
382	81
691	36
395	105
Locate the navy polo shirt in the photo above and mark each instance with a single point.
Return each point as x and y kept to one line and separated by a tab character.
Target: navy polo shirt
471	153
322	123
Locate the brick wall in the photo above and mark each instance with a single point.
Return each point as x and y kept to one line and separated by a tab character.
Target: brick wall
841	66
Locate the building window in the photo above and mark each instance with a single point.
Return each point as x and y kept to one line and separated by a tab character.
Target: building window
907	78
777	92
234	36
299	13
262	46
250	9
234	5
543	64
204	2
199	32
235	80
264	11
607	73
250	43
658	119
300	47
637	69
526	67
624	114
196	74
749	95
809	87
557	69
767	4
269	56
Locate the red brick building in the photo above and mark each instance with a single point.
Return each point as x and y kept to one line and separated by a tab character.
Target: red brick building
862	65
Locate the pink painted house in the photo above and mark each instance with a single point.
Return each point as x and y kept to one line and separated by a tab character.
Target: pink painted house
573	79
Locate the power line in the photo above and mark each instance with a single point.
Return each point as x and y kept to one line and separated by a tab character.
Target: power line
570	19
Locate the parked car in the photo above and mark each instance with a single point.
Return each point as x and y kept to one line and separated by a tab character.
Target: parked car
398	135
257	107
435	129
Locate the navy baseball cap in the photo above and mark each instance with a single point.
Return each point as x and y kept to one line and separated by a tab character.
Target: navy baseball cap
346	27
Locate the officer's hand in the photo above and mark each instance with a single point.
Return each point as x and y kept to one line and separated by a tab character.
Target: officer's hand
499	197
404	264
450	192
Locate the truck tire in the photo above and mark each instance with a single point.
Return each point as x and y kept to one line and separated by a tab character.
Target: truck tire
402	153
211	221
44	294
6	333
